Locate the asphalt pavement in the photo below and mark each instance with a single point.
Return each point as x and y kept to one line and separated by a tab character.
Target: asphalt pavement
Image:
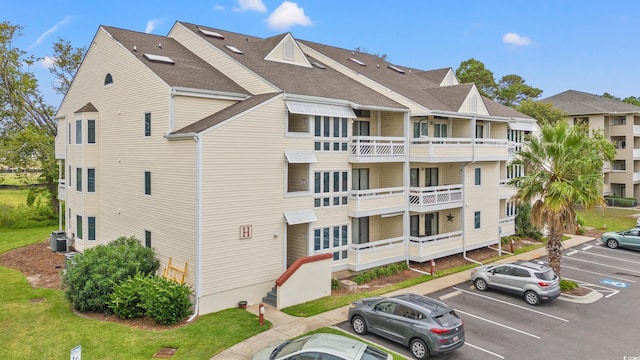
285	326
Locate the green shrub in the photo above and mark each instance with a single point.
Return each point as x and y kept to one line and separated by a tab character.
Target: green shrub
127	299
567	285
379	272
335	284
162	300
166	301
523	223
91	277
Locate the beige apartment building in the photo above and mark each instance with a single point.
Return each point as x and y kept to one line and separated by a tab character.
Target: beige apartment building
274	164
620	122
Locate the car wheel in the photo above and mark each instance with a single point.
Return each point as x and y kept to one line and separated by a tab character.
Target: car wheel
612	243
358	324
531	297
480	284
419	349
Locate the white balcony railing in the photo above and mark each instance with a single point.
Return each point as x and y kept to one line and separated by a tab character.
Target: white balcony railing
435	195
377	147
461	149
376	253
505	190
62	190
424	248
507	226
376	201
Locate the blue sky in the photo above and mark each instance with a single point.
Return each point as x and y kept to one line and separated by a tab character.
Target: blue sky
583	45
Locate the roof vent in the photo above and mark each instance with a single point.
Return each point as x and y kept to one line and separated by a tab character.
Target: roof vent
135	48
159	58
211	33
396	69
358	62
160	45
234	49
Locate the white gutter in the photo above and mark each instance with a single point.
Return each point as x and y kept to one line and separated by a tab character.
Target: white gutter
198	226
182	136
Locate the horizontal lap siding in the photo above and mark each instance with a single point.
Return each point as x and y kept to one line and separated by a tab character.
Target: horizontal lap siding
188	109
124	154
483	198
243	175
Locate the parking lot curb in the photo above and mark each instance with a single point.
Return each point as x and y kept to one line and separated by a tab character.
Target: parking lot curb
591	297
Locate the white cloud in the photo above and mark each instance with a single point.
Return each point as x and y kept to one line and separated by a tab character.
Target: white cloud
47	62
151	25
515	39
218	7
287	15
51	30
250	5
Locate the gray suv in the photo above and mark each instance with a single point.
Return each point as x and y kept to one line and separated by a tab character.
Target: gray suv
425	325
534	280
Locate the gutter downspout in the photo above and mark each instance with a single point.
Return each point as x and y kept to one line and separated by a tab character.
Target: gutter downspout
198	249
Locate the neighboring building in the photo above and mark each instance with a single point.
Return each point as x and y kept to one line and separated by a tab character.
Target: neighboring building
244	157
620	122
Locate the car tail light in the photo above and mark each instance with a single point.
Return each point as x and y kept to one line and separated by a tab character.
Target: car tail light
543	284
439	331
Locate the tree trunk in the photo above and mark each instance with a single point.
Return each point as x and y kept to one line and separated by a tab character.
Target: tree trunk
554	250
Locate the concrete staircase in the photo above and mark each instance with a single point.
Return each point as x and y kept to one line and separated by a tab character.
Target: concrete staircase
271	298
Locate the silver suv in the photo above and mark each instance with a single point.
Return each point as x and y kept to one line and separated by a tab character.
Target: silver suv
534	280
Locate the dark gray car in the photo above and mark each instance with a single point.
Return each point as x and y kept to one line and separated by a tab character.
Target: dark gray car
425	325
534	280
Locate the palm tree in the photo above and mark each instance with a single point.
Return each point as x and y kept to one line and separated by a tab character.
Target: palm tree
562	170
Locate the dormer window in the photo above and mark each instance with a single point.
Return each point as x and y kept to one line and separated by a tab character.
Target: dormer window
108	79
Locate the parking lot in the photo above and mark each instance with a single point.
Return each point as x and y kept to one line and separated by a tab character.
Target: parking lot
504	326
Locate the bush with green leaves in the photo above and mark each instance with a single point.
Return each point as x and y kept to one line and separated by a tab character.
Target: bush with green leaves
523	223
166	301
379	272
91	277
162	300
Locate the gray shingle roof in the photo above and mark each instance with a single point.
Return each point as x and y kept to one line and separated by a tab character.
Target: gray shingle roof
581	103
188	70
225	113
497	109
290	78
88	107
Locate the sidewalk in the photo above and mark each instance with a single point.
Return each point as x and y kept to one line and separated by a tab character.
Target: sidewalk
287	326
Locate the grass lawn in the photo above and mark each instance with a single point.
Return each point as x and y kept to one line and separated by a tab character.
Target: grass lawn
615	219
13	197
49	330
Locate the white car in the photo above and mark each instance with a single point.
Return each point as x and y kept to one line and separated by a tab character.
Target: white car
638	222
322	346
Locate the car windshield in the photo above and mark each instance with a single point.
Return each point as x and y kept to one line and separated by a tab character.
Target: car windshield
372	353
547	275
288	348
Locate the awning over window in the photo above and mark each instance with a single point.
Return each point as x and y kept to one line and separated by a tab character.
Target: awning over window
300	157
305	108
522	126
300	217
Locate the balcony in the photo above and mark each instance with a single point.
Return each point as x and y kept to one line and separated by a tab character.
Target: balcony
433	198
62	190
377	149
505	190
507	226
425	248
376	201
459	149
376	253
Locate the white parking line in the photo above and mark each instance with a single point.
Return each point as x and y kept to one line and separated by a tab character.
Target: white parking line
604	256
599	274
514	305
596	287
602	247
498	324
601	264
485	350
